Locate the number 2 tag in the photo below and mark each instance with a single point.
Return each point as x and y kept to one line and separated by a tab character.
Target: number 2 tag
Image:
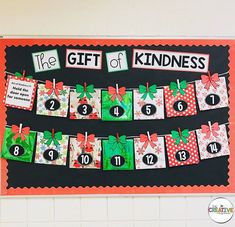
52	105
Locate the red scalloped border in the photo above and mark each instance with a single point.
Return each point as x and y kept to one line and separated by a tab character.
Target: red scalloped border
121	190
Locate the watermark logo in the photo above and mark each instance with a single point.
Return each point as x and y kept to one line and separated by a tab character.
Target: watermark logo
220	210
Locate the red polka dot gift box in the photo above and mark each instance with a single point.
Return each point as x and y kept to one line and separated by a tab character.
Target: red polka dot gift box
180	99
182	148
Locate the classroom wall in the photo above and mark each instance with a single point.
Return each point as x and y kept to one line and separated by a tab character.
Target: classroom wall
166	18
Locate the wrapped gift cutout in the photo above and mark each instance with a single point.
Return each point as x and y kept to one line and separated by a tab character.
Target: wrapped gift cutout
85	152
116	104
212	141
180	99
118	153
182	148
20	91
52	99
18	143
51	148
148	103
211	92
85	102
149	152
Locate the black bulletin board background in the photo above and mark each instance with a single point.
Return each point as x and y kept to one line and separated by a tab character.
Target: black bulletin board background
207	172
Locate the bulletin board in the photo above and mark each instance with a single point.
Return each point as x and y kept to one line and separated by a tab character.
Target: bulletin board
117	116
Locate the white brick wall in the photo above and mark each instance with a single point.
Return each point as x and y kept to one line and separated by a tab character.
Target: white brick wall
121	18
118	211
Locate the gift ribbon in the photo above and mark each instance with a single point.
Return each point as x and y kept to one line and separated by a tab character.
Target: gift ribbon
85	90
85	139
209	80
180	135
54	87
148	91
178	87
52	137
148	139
116	92
210	129
117	141
20	132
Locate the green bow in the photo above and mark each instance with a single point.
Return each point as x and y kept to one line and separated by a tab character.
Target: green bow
117	142
178	135
48	136
85	90
175	88
17	74
145	90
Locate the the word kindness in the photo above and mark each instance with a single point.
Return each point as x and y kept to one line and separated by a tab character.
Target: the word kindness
141	58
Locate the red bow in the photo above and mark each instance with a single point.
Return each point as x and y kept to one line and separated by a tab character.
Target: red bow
20	133
116	92
85	140
210	129
148	139
210	80
56	88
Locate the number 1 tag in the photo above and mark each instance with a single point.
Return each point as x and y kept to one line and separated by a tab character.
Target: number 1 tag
147	109
150	157
52	104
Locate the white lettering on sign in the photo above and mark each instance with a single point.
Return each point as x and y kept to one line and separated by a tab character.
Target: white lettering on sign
169	60
46	60
84	59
